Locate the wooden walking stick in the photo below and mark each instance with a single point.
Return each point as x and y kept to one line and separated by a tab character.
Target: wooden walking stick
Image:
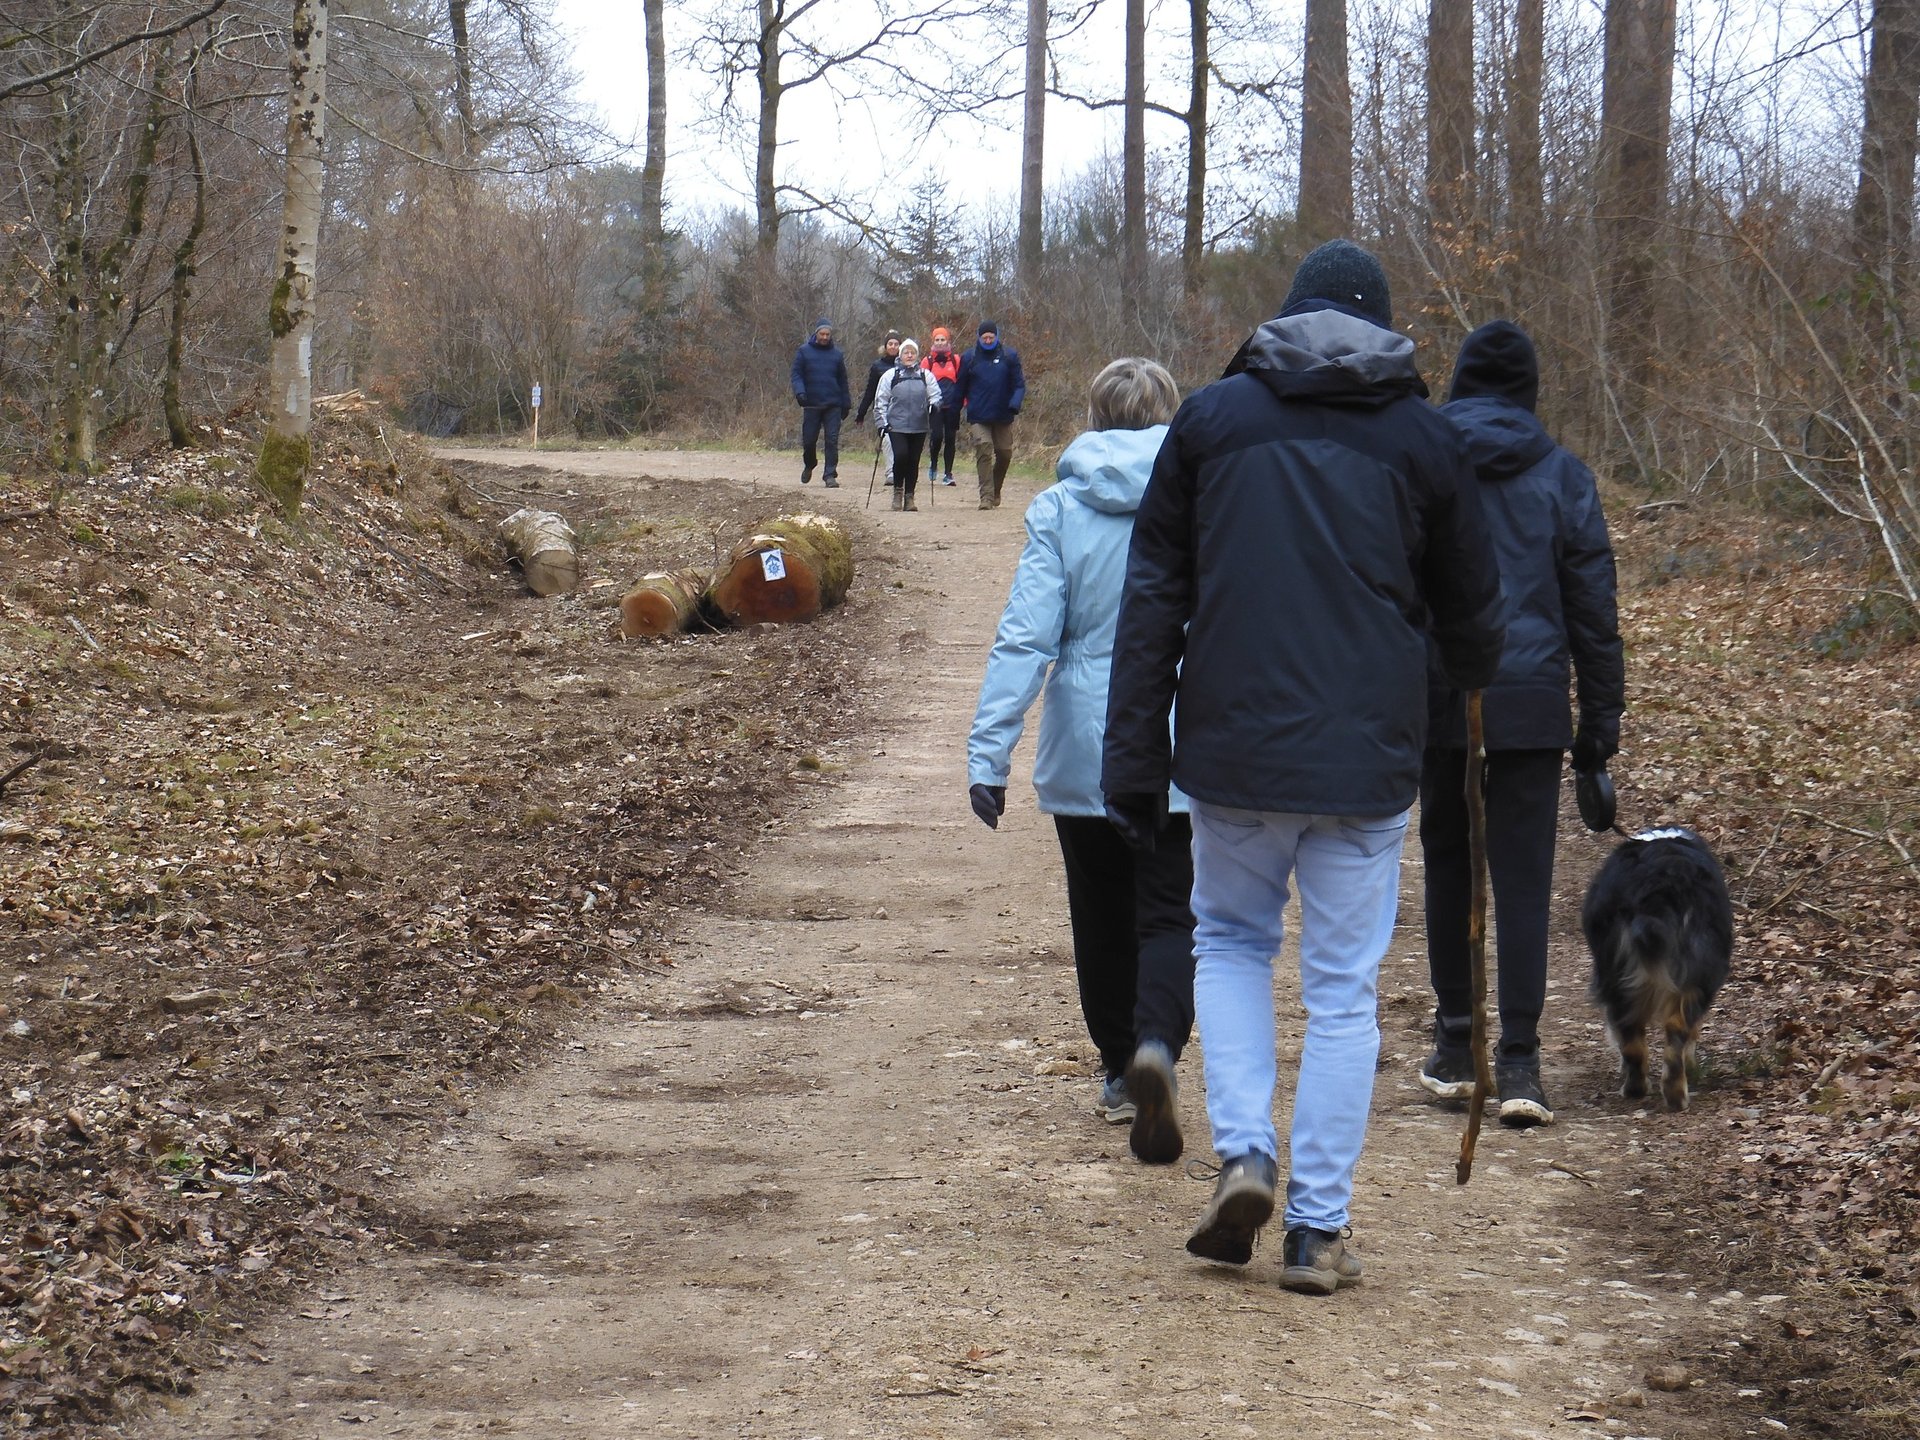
1476	931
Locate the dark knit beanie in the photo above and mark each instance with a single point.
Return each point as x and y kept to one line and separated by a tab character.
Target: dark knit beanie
987	327
1344	273
893	335
1497	359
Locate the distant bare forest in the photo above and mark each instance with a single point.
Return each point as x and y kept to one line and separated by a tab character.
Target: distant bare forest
1705	215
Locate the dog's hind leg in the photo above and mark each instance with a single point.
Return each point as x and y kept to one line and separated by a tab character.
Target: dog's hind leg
1632	1042
1683	1054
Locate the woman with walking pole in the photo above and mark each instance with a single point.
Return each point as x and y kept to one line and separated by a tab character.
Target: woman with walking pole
904	404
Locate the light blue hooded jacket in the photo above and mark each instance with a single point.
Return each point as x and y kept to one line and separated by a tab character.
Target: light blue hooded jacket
1058	626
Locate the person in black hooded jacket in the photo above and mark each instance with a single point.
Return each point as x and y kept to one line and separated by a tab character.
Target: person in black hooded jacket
1556	569
1309	522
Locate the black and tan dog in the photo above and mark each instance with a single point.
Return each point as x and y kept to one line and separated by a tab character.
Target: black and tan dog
1660	925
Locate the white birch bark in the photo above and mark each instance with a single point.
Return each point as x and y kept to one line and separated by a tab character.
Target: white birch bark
285	452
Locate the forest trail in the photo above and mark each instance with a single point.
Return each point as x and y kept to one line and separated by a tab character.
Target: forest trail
837	1174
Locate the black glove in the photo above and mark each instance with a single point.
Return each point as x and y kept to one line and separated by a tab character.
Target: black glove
1139	818
1592	749
885	430
989	803
801	401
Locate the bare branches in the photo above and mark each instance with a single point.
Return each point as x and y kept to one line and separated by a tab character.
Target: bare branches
113	47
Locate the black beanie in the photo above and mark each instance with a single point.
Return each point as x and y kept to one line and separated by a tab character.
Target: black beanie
987	327
1497	359
1344	273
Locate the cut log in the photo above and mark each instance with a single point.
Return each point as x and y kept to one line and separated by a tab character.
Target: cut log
792	570
662	603
542	544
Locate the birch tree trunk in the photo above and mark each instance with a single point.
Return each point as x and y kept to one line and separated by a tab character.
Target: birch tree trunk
286	450
185	261
766	198
1193	241
1326	127
1133	153
1033	146
653	171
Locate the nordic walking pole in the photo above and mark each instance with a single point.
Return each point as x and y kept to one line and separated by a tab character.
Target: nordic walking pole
1476	930
878	440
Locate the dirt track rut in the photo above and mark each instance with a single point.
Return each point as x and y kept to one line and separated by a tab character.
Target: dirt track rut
837	1174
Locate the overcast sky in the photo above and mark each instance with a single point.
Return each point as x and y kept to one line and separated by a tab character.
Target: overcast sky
981	161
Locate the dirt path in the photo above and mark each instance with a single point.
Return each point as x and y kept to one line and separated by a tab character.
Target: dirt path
827	1178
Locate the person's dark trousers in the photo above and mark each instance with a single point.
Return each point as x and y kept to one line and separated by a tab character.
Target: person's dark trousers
907	445
1523	813
1132	918
945	431
815	419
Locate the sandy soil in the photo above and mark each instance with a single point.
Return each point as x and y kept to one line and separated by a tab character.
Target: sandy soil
838	1173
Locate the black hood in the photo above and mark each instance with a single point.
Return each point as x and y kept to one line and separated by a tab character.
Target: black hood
1503	440
1498	359
1322	351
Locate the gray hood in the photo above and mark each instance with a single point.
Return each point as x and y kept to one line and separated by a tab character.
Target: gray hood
1318	351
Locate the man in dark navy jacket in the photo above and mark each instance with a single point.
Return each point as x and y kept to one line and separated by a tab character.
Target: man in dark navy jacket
1556	570
819	379
992	387
1309	522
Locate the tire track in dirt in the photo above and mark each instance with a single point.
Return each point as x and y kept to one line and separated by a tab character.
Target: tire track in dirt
826	1180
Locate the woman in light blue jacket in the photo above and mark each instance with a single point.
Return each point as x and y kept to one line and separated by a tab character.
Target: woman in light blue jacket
1131	912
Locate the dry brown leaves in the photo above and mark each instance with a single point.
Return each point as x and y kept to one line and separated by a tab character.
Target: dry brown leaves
330	823
1773	708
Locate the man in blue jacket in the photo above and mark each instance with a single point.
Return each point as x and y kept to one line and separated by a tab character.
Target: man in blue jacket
1556	569
991	389
1309	522
820	390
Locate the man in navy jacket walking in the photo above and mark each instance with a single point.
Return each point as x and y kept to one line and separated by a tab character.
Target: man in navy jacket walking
1310	521
820	390
991	389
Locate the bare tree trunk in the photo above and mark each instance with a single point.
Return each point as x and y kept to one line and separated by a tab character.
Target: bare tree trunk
1525	195
1883	201
69	279
766	198
1326	128
1449	115
462	77
653	172
285	452
1133	153
1635	113
1033	145
185	258
1193	241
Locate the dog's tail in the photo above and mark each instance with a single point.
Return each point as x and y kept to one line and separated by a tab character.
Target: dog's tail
1651	937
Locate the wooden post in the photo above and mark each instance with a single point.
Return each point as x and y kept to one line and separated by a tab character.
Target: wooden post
536	414
1476	930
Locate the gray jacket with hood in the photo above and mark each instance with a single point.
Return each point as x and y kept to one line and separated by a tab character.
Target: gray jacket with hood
1309	522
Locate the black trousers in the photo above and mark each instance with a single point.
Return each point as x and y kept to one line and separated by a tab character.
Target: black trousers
907	445
946	429
1523	813
815	419
1132	918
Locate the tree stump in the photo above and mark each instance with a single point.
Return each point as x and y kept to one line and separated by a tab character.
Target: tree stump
663	603
795	568
543	545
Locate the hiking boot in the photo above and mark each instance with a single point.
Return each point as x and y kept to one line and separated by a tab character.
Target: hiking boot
806	475
908	504
896	499
1317	1262
1447	1073
1115	1105
1242	1202
1155	1138
986	504
1522	1102
831	482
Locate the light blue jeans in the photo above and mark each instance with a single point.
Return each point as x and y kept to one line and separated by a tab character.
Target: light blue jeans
1349	877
